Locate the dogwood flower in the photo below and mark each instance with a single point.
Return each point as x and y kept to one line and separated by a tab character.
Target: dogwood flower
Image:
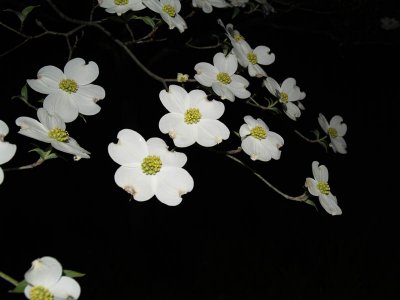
148	168
318	186
121	6
222	78
207	5
253	58
168	10
192	118
335	129
50	129
288	94
258	141
7	150
70	92
45	281
239	45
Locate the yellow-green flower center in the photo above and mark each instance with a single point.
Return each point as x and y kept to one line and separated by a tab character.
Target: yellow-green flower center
237	37
224	78
332	132
258	132
68	85
323	187
192	116
40	293
283	97
121	2
252	57
169	9
59	134
151	165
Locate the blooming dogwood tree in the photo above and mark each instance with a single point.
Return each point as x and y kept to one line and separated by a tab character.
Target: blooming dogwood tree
197	114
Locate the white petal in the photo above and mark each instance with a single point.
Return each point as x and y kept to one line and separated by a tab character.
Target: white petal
44	271
295	94
206	73
320	173
169	122
3	128
250	121
184	135
82	73
211	109
329	203
244	130
323	122
272	86
50	121
33	129
95	92
63	105
211	133
135	5
156	146
339	144
7	151
226	64
275	139
336	122
173	159
106	3
256	71
311	184
292	110
65	288
132	180
196	97
288	85
154	5
172	184
86	106
1	175
130	149
223	91
264	57
175	99
48	81
71	147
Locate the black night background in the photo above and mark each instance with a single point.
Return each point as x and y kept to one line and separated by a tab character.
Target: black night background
232	237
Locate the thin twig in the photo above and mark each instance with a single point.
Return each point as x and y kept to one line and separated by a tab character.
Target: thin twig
8	278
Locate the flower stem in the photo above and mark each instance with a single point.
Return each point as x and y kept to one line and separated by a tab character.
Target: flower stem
8	278
30	166
300	198
309	140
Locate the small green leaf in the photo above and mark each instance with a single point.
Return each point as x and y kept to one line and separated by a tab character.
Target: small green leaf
146	19
236	11
20	287
24	92
312	203
73	274
45	155
26	11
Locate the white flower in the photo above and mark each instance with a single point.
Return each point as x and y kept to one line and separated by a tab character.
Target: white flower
258	141
121	6
207	5
45	281
336	130
238	3
50	129
288	94
148	168
7	150
239	44
192	118
168	10
389	23
318	186
222	78
254	58
70	92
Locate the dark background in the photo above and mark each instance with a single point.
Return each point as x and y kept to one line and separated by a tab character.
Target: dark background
231	237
